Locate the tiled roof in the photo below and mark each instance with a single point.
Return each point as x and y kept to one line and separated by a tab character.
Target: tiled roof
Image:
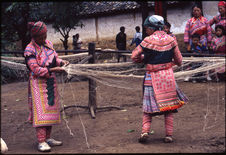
95	7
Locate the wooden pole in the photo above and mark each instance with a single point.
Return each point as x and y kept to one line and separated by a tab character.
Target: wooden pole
145	13
92	83
161	9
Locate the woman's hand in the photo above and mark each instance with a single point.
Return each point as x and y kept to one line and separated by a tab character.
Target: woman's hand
65	62
188	47
56	69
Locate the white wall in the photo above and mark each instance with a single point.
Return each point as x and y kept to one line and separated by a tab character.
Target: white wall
210	9
109	26
178	18
86	32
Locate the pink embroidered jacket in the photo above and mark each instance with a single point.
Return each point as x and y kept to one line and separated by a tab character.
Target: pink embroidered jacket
158	51
40	58
218	45
199	26
218	20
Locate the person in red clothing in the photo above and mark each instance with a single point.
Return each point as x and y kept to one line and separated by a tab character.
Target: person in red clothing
221	18
218	41
167	27
218	46
198	24
159	52
43	99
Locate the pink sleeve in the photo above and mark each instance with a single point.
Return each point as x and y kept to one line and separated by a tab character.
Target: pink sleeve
36	69
58	60
212	21
136	54
30	58
186	32
209	32
177	55
213	44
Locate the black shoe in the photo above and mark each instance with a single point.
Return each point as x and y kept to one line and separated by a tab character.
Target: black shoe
144	137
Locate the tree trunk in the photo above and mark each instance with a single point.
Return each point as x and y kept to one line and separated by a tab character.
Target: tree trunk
65	42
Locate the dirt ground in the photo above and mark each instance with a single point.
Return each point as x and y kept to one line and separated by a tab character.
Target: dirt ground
199	127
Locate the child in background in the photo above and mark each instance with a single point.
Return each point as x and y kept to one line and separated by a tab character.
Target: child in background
218	42
197	48
218	47
137	37
167	27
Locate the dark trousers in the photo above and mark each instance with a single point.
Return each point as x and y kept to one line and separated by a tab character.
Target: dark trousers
119	55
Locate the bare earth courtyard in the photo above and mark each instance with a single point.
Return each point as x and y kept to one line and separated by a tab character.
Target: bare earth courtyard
199	127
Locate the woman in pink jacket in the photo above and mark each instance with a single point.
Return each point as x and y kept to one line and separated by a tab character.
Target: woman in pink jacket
43	99
198	24
159	52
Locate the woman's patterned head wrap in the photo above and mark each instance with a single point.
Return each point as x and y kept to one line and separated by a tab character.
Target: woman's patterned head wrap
155	22
221	3
37	28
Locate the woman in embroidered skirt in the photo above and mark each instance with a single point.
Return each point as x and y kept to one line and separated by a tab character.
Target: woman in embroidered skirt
43	99
159	51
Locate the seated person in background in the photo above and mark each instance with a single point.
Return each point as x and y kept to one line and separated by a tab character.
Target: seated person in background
218	41
167	27
77	42
195	46
137	37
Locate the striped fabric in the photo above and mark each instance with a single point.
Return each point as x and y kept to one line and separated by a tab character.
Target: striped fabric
147	121
172	35
147	79
169	124
159	41
39	57
218	20
160	89
38	28
218	45
43	133
200	26
146	124
149	101
150	105
44	114
43	97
